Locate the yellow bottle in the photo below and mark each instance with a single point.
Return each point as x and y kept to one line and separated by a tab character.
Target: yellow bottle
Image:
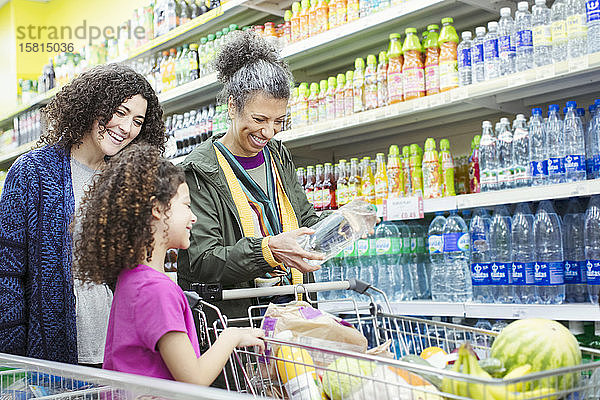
381	180
394	173
368	182
354	181
342	194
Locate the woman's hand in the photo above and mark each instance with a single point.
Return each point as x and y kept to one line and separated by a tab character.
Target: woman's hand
285	249
246	337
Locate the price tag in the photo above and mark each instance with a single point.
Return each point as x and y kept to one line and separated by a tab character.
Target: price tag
519	313
401	208
544	72
578	64
459	93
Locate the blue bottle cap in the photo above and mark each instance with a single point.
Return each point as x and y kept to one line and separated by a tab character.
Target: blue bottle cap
572	104
554	107
536	111
592	108
597	102
581	111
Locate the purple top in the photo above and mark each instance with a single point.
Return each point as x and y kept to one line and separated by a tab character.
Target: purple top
251	162
147	305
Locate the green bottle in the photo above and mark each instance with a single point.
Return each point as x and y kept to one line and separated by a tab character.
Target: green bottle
416	169
447	165
448	42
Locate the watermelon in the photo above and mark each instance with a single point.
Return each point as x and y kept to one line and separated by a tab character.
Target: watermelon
542	343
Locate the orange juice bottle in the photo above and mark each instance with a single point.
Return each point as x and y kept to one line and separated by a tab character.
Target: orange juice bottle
349	94
332	17
304	20
432	61
322	16
447	168
287	27
295	22
341	12
381	180
394	73
368	182
406	177
432	185
359	85
413	71
382	70
416	169
448	62
313	27
330	98
354	180
340	101
371	83
394	173
353	10
302	104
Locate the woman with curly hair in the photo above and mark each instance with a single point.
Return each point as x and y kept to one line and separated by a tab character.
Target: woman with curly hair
136	210
44	312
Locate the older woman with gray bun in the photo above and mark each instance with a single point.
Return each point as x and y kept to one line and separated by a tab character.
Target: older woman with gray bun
251	209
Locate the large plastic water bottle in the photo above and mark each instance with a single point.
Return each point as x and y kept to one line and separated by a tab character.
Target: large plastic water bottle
417	272
574	249
592	154
324	275
574	145
504	148
350	264
592	9
524	59
404	288
576	28
555	143
488	158
507	42
501	249
592	248
438	277
464	52
549	266
523	256
491	57
521	152
480	256
538	159
367	260
477	61
558	16
456	258
542	34
387	249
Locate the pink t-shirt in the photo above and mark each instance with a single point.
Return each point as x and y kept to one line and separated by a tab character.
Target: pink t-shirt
146	305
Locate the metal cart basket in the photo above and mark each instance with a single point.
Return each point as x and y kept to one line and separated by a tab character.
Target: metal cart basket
358	376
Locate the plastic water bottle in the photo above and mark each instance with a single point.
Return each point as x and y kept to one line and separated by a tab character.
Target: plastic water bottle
438	277
480	256
488	158
417	272
592	9
555	143
350	265
404	289
504	148
323	275
337	269
595	138
501	250
524	60
592	155
576	28
549	267
456	259
491	57
521	152
477	54
558	16
523	256
538	159
507	42
387	249
367	260
574	249
464	51
542	34
592	248
574	145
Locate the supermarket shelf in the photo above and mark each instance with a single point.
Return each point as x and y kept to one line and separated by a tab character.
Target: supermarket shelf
7	158
39	100
191	94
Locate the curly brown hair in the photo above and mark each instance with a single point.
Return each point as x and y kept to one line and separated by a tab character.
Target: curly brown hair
116	216
95	95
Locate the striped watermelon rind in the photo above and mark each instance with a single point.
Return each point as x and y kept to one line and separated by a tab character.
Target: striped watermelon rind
542	343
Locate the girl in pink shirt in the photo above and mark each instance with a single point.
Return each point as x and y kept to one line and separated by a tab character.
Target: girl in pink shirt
136	210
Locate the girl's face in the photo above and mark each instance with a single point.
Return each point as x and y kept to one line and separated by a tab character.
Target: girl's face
253	127
180	219
124	126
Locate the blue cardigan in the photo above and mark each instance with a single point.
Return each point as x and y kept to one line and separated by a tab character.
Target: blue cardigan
37	303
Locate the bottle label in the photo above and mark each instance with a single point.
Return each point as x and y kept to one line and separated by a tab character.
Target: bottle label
448	74
435	244
576	27
310	196
559	31
477	54
488	177
406	245
455	241
575	272
593	272
589	166
387	246
539	168
318	198
549	273
542	35
592	8
597	162
432	77
505	175
362	247
574	163
372	247
521	173
350	250
464	58
414	81
500	273
322	110
479	242
491	49
358	97
524	38
395	90
504	46
381	187
556	165
326	199
413	245
480	274
523	274
342	194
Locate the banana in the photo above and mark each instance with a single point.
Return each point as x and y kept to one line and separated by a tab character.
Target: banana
481	391
518	372
453	386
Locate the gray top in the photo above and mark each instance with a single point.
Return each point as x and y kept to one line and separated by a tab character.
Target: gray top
92	302
259	174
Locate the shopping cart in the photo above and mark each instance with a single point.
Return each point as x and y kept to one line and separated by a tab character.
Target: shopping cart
361	376
27	378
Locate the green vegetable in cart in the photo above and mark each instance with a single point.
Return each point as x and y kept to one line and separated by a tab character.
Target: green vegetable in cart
339	380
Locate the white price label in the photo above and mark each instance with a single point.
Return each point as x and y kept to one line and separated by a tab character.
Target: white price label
401	208
519	313
578	64
544	72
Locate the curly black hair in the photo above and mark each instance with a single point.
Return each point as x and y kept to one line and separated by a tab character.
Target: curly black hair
116	213
248	64
95	95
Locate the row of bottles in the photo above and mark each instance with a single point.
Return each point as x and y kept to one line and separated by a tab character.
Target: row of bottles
169	14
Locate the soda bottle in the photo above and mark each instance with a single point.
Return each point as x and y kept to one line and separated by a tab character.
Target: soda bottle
330	98
340	94
302	105
507	42
481	256
574	145
524	58
296	29
576	28
359	85
416	169
394	80
413	72
432	186
455	238
368	182
501	249
388	251
304	19
523	255
432	61
382	70
491	57
318	192
438	277
341	193
448	56
381	180
542	34
464	51
574	249
592	248
555	145
447	168
406	176
328	189
322	101
309	187
354	180
394	173
349	94
313	104
488	159
549	267
474	178
520	151
371	83
301	177
478	66
504	148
